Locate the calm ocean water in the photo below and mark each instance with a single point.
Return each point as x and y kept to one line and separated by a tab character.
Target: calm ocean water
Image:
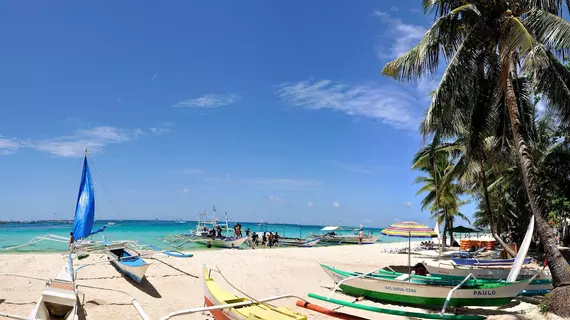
145	231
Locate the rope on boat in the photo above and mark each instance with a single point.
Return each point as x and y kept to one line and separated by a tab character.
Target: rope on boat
21	276
11	316
173	267
134	301
231	285
256	301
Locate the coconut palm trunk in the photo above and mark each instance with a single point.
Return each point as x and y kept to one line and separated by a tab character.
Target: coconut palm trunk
450	226
556	262
492	223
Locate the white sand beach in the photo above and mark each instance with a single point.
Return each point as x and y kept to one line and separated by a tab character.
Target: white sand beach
260	273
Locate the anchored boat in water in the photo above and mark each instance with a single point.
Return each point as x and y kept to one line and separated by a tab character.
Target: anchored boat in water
208	232
330	236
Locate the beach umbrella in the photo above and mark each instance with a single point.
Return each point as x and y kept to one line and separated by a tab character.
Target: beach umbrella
410	230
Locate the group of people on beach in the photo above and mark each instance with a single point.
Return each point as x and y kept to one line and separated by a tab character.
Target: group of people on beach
267	239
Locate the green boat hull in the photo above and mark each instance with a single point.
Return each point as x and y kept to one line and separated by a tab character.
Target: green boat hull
398	312
384	287
424	301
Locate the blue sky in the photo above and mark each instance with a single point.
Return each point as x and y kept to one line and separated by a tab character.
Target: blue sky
269	110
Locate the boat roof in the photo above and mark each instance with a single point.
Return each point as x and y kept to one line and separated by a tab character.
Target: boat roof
330	228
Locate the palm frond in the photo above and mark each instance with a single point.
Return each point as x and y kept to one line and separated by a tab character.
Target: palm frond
446	33
515	38
549	29
462	216
550	79
454	93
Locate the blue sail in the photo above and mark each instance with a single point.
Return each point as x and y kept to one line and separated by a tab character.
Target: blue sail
85	208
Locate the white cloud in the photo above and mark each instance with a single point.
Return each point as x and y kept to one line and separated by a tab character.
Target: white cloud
209	101
284	182
310	204
154	76
192	171
389	105
9	146
541	106
162	127
185	190
74	145
404	35
408	204
357	169
226	178
274	199
336	204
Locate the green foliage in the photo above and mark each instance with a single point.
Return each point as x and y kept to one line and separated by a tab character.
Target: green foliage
544	305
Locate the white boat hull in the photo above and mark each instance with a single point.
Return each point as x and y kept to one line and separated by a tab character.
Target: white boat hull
542	282
348	240
58	300
492	273
133	269
223	242
422	294
300	243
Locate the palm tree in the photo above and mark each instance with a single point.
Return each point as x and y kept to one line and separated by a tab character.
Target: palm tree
499	39
442	199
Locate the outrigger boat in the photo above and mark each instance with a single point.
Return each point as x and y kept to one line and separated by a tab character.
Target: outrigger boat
203	235
225	306
215	295
331	237
59	298
415	290
128	262
485	262
541	284
121	254
378	285
298	242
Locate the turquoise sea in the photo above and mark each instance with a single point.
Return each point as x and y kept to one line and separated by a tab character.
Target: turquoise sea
144	231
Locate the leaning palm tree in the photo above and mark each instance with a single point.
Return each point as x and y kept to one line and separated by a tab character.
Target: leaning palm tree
500	39
441	198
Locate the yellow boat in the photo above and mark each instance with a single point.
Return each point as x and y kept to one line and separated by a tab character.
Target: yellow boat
214	295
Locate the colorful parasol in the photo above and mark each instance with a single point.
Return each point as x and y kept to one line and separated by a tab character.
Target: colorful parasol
409	229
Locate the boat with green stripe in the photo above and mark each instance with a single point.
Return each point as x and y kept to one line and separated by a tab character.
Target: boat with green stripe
401	313
386	286
541	283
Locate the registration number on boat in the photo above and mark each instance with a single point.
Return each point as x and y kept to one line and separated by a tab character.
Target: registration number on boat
399	289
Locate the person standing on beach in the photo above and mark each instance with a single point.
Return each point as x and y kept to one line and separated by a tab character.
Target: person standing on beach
263	240
270	240
71	240
276	239
360	236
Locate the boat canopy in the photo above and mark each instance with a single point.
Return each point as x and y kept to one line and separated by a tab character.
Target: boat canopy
330	228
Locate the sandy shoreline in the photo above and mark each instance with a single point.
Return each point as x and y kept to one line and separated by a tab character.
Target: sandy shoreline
260	273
